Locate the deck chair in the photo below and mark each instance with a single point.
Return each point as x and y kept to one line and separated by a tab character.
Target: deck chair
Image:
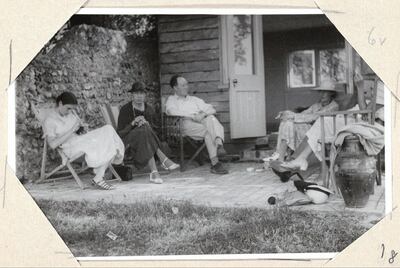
327	141
173	134
110	114
65	170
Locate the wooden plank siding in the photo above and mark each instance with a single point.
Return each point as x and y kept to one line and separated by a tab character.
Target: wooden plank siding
172	68
205	34
196	23
197	87
190	56
189	45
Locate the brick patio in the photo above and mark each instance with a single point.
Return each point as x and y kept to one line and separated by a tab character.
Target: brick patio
239	188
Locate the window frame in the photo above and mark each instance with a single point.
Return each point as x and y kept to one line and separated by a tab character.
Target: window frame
314	54
349	87
224	82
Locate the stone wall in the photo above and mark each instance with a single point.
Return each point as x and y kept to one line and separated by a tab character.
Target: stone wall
98	65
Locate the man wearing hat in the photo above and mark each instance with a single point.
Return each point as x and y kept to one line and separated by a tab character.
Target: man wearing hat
294	126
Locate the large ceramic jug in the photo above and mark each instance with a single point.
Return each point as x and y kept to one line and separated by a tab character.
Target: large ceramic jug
355	173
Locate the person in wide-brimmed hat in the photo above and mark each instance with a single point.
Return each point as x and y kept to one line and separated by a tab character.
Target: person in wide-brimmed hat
364	101
293	126
136	124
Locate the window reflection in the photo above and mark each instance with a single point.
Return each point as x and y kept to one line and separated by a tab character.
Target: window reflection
243	44
333	65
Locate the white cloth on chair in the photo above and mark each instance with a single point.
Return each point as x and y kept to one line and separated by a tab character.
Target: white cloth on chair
100	146
314	133
371	136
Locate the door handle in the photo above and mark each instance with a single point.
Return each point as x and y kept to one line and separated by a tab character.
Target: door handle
234	82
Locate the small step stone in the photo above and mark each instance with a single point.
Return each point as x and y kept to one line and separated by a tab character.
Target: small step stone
255	155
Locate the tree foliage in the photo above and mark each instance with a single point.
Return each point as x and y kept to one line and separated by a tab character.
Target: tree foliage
138	26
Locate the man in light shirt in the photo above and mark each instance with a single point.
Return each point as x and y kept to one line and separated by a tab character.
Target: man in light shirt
199	123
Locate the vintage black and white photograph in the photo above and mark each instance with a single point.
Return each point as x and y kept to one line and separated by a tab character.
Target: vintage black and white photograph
189	134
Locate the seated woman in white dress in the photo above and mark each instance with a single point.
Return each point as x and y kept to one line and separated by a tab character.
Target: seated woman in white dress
101	146
294	126
314	133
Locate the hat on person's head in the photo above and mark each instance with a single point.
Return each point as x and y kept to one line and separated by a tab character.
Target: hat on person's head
329	85
67	98
138	87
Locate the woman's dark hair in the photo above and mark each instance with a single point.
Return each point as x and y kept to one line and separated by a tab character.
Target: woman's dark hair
333	94
66	98
174	80
138	87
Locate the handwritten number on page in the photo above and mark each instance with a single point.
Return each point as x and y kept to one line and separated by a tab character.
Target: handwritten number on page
383	251
372	40
393	254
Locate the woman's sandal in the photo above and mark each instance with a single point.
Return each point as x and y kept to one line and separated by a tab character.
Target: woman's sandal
273	157
284	173
299	164
172	165
156	180
102	185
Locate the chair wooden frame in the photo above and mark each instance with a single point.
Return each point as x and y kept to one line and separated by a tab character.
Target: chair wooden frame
173	134
328	140
66	164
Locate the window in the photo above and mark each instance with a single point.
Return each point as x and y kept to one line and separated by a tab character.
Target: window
332	65
309	68
302	69
243	44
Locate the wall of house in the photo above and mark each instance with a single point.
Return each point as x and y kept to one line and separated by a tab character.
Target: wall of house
98	65
189	45
277	46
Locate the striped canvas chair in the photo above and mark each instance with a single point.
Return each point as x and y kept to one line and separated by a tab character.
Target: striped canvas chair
110	114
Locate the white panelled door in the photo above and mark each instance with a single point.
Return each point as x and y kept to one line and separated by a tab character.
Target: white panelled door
246	76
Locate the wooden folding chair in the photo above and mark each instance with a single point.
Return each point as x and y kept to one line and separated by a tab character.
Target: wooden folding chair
65	170
175	138
327	141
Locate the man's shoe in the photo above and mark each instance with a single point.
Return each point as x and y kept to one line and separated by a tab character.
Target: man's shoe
221	151
218	169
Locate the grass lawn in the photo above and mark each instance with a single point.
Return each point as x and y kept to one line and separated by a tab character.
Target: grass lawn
174	228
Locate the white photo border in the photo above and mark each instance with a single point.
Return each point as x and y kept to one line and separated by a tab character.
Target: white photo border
11	158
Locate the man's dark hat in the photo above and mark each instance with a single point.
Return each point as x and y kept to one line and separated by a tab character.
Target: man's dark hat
138	87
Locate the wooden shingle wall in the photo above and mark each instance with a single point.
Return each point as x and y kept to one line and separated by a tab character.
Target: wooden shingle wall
189	46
